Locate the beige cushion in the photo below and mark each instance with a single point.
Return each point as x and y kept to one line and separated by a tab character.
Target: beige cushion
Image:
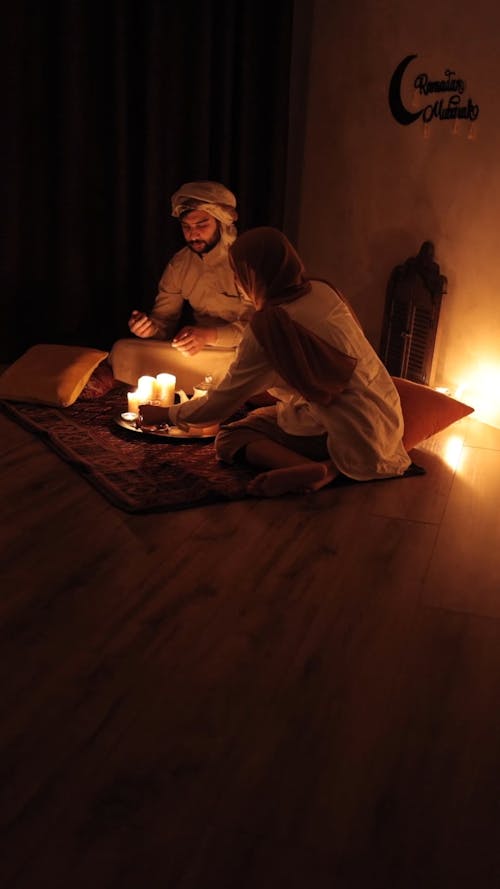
50	374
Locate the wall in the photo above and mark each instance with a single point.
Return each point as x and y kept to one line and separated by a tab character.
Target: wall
372	190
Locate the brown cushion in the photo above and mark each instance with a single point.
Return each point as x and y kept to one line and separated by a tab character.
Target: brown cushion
426	411
50	374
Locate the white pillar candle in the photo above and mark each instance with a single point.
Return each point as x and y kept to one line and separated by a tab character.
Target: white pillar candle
165	389
146	387
134	400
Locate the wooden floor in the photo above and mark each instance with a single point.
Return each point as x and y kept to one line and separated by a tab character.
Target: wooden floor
300	694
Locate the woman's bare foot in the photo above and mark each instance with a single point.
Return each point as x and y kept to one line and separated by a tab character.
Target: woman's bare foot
301	479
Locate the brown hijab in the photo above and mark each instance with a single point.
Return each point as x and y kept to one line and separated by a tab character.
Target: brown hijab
270	269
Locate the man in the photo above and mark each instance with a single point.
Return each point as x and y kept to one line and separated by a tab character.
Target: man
199	278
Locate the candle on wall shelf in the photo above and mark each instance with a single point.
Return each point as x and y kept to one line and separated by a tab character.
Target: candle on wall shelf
165	389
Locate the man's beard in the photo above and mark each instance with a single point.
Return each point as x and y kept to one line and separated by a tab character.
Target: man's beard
199	246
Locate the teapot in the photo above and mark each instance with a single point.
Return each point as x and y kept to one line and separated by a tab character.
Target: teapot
202	388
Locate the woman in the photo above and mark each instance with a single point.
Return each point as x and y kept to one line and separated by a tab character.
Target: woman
337	408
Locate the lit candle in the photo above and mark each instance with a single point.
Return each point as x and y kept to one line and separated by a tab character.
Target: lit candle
134	400
146	387
165	389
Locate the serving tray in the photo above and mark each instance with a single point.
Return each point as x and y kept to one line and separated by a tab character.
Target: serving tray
168	433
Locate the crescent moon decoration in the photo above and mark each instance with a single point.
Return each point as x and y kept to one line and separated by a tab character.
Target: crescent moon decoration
398	110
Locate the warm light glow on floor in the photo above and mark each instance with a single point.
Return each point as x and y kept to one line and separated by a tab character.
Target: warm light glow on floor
453	452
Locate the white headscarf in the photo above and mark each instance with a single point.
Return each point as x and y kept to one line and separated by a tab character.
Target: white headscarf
212	197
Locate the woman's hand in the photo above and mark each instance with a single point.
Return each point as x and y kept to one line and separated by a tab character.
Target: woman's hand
191	340
155	415
142	325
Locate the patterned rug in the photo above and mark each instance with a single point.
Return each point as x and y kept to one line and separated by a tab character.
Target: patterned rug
137	473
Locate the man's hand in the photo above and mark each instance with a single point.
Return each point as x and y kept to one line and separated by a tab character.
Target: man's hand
190	340
142	325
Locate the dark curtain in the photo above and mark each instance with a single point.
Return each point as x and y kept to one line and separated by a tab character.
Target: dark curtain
107	109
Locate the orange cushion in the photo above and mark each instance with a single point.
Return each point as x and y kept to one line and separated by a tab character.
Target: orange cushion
426	411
